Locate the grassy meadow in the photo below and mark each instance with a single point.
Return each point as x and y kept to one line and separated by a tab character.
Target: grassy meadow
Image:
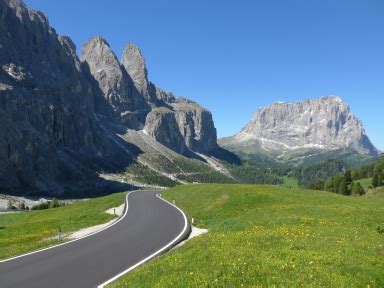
27	231
265	236
367	182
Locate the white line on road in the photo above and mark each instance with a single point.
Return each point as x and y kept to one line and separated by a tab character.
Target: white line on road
65	243
154	254
112	224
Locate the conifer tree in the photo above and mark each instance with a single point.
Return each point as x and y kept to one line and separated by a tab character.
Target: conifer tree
375	181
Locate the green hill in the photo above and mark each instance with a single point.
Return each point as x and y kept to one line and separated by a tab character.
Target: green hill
269	235
28	231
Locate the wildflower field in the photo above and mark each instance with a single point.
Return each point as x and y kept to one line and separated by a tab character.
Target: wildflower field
27	231
265	236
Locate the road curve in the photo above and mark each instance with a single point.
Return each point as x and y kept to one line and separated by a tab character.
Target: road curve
149	227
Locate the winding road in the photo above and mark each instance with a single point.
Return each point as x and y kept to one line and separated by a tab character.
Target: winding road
148	227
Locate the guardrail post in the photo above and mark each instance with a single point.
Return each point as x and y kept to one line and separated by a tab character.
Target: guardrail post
59	234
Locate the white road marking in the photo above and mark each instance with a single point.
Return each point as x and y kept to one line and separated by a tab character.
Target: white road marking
155	253
65	243
125	214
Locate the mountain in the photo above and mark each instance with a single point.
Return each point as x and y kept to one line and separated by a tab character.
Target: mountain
70	125
293	132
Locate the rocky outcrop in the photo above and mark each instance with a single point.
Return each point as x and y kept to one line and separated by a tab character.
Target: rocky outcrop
324	123
195	122
196	125
162	126
134	63
114	82
47	104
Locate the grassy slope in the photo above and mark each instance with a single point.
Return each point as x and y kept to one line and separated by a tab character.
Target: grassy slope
290	182
24	232
269	235
365	182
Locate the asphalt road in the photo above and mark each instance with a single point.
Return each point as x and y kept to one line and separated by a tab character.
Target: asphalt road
150	224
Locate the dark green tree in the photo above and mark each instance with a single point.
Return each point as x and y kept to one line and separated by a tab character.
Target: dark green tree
378	168
359	189
375	181
328	186
337	183
54	203
379	180
348	177
355	174
343	188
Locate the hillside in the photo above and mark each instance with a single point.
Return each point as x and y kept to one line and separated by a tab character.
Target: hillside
24	232
272	236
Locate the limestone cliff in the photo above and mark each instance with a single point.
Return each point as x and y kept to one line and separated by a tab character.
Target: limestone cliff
325	124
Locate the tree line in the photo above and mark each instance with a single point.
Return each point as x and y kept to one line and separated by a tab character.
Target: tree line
348	182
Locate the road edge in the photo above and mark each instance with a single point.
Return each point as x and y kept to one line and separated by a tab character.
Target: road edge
179	238
71	241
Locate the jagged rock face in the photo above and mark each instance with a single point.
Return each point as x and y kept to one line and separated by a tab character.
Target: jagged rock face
113	80
134	63
196	125
46	103
324	123
34	56
165	97
162	126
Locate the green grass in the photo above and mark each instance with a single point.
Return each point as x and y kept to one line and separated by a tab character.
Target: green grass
262	236
290	182
28	231
365	182
379	192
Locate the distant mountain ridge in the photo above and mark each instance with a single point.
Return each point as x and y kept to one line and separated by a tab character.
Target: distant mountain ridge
322	124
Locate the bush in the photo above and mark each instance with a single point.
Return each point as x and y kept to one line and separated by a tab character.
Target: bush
54	203
357	189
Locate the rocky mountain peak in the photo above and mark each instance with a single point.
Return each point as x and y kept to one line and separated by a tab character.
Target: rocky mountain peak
134	63
113	80
323	123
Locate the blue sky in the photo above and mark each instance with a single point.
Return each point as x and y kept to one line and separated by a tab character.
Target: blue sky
236	56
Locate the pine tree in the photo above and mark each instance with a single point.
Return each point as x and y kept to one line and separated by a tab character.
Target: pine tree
375	181
379	180
348	177
328	186
337	183
353	188
360	190
343	188
355	175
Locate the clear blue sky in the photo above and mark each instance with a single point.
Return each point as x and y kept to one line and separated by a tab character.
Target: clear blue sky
235	56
